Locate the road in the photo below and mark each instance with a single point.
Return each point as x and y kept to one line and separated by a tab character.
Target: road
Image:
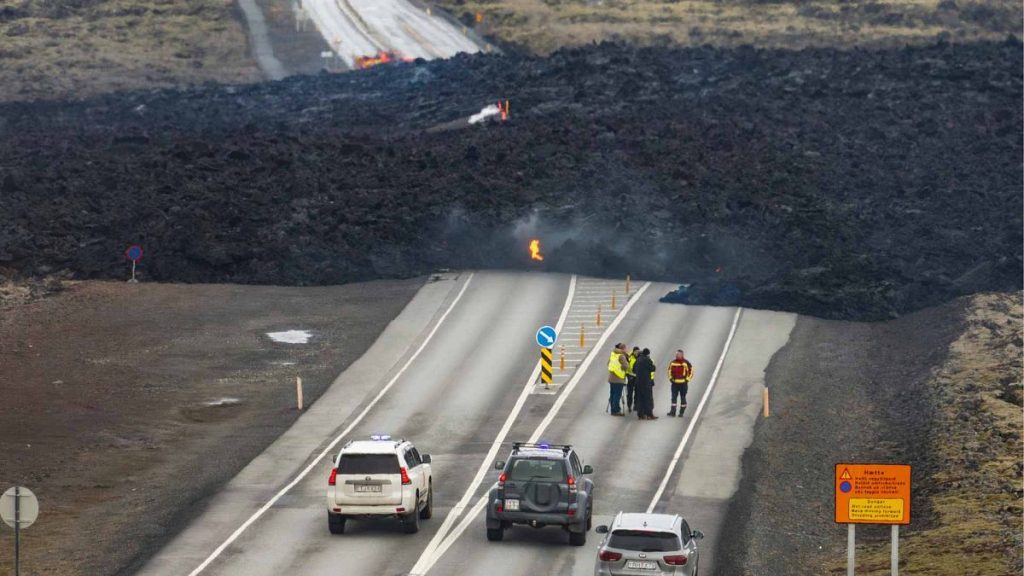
456	373
355	28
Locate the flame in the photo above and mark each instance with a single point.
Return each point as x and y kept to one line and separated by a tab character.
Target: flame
535	250
382	57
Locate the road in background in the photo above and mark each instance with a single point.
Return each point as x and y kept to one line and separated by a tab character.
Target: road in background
356	28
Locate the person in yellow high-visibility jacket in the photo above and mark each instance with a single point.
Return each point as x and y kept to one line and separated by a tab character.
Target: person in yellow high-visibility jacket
618	366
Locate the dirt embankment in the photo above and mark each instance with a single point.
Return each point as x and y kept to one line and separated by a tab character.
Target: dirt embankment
542	26
858	184
940	390
125	406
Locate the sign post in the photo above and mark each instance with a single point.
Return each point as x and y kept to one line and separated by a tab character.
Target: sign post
872	494
133	253
19	509
546	338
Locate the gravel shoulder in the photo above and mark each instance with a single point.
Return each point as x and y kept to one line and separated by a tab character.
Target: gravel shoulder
126	406
938	389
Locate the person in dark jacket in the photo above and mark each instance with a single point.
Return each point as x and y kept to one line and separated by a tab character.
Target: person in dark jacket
644	370
631	380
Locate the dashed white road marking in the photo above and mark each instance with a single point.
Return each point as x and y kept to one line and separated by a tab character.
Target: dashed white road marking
456	511
262	510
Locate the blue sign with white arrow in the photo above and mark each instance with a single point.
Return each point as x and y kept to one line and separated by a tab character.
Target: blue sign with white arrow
546	337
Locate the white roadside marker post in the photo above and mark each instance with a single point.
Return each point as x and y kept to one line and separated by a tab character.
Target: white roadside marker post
298	391
17	526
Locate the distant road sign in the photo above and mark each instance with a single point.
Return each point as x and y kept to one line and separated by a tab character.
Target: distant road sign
28	507
546	336
872	494
133	253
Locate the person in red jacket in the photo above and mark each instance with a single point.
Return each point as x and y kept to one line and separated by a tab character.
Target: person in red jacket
680	372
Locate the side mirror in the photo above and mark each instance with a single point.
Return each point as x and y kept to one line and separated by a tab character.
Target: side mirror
602	529
588	469
425	458
499	465
697	535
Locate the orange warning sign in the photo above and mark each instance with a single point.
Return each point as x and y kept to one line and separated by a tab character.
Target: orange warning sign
872	494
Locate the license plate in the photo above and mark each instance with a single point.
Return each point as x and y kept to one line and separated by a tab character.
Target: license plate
512	505
641	565
368	487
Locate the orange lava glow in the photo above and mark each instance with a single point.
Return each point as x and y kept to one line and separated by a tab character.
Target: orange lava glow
364	62
535	250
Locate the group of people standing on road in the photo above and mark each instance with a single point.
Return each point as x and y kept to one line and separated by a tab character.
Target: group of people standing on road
634	372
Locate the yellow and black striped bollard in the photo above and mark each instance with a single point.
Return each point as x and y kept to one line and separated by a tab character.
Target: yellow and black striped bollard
545	366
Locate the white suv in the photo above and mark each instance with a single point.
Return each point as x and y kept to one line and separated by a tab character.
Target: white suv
380	477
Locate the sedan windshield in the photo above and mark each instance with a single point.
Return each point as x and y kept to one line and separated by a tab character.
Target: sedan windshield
644	541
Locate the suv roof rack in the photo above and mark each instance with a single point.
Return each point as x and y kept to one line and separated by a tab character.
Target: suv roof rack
565	448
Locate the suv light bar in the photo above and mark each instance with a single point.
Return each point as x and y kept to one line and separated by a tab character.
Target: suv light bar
565	448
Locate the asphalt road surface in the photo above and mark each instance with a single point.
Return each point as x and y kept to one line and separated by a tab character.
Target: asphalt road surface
455	373
355	28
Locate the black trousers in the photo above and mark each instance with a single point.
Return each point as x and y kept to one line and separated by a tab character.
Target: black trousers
679	390
644	400
630	392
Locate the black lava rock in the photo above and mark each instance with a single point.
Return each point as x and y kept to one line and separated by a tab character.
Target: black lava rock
851	184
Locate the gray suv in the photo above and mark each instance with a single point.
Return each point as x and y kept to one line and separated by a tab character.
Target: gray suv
648	544
542	485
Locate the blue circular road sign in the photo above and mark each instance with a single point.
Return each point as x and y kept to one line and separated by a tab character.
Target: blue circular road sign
133	253
845	487
546	337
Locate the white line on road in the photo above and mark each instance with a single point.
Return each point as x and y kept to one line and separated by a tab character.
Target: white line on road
456	511
256	515
696	415
425	562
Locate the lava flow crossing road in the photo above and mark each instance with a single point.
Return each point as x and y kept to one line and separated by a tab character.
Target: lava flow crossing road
454	373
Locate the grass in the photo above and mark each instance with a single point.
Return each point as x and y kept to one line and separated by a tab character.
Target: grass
976	494
543	26
79	48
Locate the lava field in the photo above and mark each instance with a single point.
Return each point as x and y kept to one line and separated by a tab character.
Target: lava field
845	184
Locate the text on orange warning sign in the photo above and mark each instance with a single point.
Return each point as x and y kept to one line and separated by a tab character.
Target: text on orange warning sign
872	494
